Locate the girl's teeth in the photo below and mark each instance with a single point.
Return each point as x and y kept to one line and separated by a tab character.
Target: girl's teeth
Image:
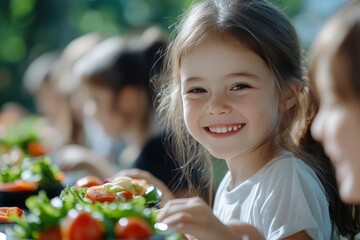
224	129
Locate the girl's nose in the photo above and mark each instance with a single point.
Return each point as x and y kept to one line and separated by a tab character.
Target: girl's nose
218	106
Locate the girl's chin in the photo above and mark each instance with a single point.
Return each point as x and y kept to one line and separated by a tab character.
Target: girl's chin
351	198
349	190
342	174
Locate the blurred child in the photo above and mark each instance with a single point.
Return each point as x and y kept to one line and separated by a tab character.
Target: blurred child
117	75
59	98
334	72
234	87
49	103
68	86
10	114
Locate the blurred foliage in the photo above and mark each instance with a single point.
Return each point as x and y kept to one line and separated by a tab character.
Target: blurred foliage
291	8
29	28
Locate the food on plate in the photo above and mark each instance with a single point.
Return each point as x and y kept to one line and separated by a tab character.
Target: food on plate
88	181
6	212
21	181
24	165
23	139
36	149
18	186
73	216
122	189
30	174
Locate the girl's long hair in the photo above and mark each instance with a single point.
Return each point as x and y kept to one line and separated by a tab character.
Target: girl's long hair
266	31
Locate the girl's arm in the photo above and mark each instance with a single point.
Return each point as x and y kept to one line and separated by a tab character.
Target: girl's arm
192	216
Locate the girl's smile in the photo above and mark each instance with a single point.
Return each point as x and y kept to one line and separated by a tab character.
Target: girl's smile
224	130
229	99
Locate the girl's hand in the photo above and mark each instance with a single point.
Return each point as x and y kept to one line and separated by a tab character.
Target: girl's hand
74	158
192	216
150	179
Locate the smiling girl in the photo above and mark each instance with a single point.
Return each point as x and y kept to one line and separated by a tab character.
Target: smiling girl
233	87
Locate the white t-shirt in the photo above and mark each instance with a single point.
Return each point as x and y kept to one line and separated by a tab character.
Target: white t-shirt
282	198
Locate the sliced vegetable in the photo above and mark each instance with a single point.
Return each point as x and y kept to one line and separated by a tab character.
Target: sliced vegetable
127	195
88	181
139	186
6	212
100	194
152	195
37	149
18	186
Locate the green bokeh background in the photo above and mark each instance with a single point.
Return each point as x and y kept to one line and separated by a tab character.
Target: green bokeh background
29	28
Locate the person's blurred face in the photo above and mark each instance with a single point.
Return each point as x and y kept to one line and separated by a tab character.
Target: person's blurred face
337	126
106	111
49	102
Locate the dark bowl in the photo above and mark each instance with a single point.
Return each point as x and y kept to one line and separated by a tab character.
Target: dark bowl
17	199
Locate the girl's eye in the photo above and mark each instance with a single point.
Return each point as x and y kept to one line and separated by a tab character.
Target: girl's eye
240	86
196	90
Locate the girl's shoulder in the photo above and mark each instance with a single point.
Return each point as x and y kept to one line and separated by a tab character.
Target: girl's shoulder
288	166
286	161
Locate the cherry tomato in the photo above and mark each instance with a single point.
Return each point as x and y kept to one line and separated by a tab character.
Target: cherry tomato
99	194
53	233
88	181
126	194
37	149
80	225
132	227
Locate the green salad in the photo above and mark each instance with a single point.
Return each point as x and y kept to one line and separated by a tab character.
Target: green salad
71	216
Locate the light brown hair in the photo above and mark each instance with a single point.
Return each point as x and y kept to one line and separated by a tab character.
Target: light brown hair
268	32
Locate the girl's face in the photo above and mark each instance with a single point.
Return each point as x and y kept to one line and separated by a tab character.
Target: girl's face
229	99
337	126
105	110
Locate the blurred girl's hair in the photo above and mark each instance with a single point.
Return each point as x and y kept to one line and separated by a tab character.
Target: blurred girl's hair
342	50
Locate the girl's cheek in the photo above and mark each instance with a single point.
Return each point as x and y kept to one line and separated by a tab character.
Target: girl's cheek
318	125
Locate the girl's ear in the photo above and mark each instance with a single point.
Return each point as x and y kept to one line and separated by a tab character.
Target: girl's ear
290	95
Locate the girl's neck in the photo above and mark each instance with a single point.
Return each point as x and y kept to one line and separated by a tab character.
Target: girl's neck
244	166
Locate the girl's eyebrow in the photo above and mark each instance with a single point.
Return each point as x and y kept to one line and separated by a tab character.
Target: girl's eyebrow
242	74
229	76
192	79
